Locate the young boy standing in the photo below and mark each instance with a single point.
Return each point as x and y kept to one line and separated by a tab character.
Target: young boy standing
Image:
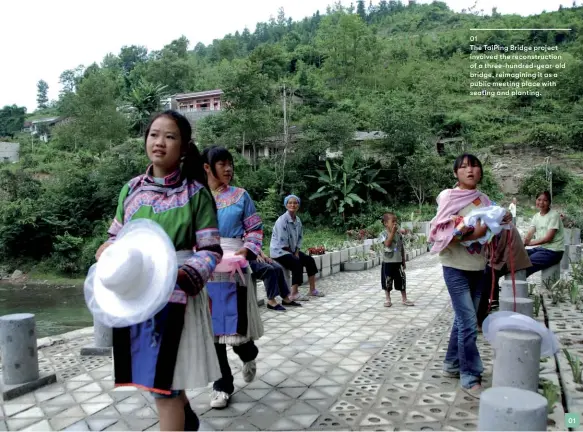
393	266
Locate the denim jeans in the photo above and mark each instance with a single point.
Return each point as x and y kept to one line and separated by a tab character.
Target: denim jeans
542	258
465	288
273	278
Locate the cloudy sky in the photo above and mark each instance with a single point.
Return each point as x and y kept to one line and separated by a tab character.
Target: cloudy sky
39	39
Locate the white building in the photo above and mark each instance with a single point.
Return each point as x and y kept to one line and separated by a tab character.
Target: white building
9	152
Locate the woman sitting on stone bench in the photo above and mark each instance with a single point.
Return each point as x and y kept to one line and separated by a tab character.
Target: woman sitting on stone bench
286	241
549	238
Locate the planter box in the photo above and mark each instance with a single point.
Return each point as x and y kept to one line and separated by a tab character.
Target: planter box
354	266
343	255
352	251
326	271
326	260
318	261
366	248
335	257
335	268
359	249
407	256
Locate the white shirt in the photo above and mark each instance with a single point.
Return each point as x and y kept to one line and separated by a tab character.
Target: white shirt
512	208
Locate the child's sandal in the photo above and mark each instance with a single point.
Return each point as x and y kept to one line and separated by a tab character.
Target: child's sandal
408	303
388	304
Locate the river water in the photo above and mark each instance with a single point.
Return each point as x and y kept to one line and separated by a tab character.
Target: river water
57	309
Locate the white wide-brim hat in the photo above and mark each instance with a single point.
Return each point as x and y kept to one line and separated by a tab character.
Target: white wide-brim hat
506	320
134	277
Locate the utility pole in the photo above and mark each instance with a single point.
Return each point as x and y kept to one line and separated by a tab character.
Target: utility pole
285	138
549	175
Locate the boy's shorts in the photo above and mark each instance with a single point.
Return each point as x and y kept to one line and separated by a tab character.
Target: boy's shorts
173	394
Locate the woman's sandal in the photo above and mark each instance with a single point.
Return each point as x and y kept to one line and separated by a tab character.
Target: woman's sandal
388	304
408	303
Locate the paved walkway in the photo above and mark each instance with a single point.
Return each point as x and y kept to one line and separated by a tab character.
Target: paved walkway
342	362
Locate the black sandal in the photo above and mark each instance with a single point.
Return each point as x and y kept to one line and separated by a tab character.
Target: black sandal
291	303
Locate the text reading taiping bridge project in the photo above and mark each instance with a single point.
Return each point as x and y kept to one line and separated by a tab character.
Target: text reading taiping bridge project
513	70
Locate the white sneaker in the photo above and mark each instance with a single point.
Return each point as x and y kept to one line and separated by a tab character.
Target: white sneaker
249	371
219	399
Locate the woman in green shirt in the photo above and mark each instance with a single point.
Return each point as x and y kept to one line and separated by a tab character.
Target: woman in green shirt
547	229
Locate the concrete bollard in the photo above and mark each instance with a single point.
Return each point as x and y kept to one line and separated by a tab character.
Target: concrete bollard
507	290
20	374
102	341
524	306
18	345
517	360
565	260
567	234
520	275
551	275
575	236
575	253
512	409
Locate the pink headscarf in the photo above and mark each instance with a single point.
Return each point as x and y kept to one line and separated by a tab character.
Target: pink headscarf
449	203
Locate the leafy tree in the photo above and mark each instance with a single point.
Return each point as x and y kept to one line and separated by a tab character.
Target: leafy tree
42	98
143	101
95	124
11	120
360	9
426	175
131	56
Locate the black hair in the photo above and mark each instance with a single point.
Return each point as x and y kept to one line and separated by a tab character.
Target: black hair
388	216
472	160
212	155
547	194
192	161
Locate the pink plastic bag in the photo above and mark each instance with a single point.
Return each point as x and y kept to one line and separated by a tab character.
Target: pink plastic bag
232	263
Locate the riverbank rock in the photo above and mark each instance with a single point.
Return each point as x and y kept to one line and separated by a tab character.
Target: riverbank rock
17	275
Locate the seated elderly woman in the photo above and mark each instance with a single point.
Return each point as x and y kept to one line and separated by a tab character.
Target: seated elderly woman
549	238
286	242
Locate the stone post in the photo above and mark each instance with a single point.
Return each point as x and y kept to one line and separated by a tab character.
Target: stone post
520	275
18	345
551	275
575	253
507	290
567	234
512	409
524	306
517	360
565	260
102	341
575	236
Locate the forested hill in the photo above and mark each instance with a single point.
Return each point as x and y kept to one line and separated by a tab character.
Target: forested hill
400	69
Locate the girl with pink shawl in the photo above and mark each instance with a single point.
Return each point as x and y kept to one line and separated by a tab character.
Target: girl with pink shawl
463	271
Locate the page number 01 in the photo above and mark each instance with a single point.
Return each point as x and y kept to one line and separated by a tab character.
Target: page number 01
571	420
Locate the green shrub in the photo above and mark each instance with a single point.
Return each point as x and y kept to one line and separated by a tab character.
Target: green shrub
536	182
547	134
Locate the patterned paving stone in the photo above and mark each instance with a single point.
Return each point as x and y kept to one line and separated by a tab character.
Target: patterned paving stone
344	362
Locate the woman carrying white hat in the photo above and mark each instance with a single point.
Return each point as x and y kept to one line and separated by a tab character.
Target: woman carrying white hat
174	349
